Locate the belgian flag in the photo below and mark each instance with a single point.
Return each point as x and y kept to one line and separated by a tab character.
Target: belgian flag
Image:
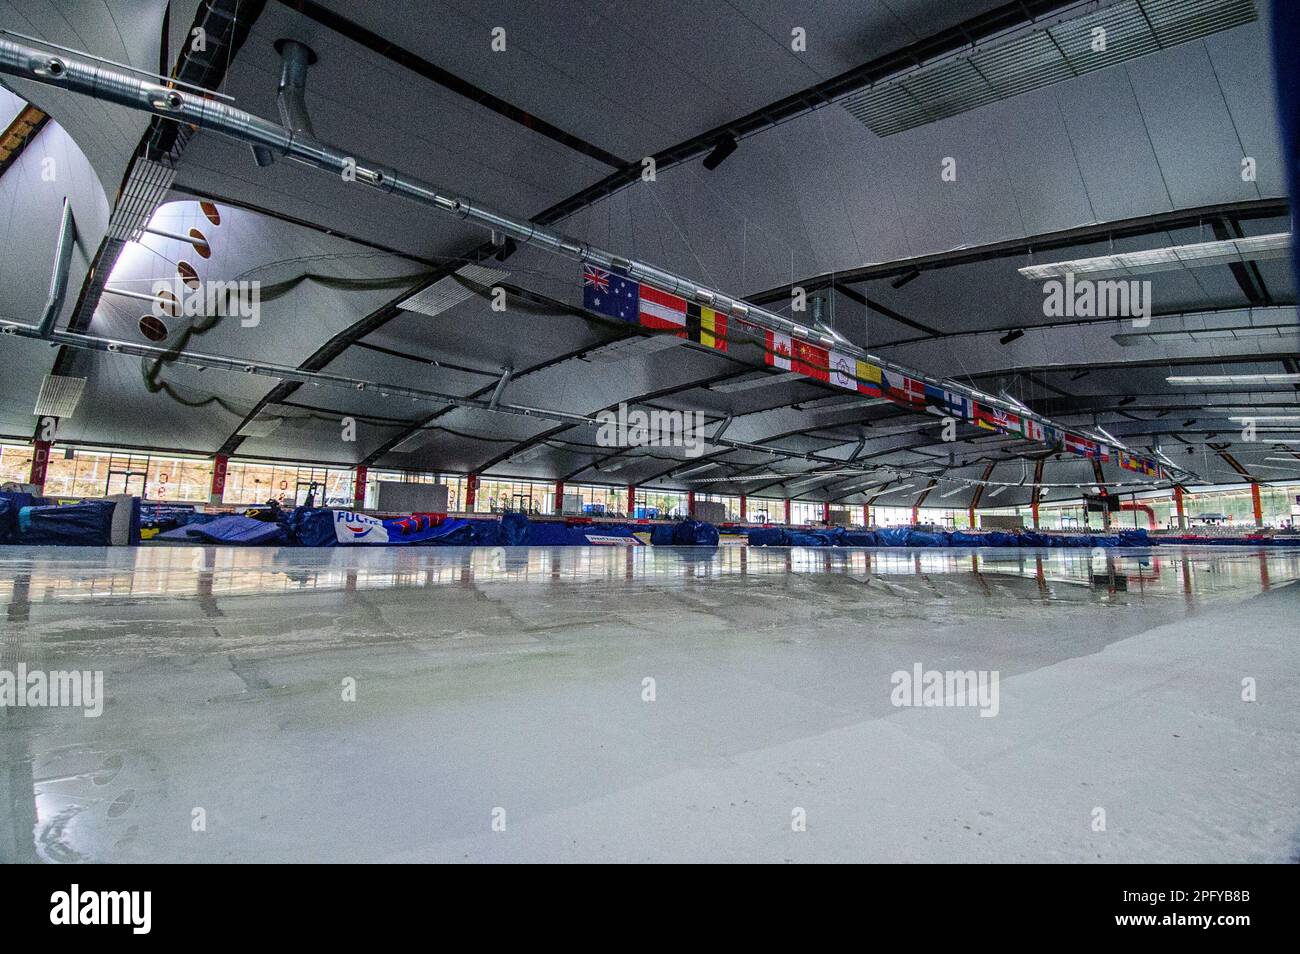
706	326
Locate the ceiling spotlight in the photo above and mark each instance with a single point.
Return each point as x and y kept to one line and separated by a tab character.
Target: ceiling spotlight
906	277
1011	336
722	148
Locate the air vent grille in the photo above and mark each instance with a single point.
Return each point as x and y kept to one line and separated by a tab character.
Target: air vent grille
59	396
1041	57
447	293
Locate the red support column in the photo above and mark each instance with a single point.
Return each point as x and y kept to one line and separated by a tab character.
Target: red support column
359	487
787	511
631	499
1178	508
690	503
220	465
471	491
40	464
559	498
866	515
826	512
743	509
916	516
1257	504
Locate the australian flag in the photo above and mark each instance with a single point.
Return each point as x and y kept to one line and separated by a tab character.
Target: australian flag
610	293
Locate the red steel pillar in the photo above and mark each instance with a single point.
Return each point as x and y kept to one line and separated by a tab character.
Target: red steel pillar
471	491
743	509
826	513
631	499
1178	507
558	507
40	464
1257	504
787	511
690	503
220	465
359	487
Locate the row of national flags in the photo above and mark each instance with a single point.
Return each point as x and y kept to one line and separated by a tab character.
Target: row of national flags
618	296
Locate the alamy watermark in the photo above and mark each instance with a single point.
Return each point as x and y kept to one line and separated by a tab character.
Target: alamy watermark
80	689
633	427
947	688
241	299
1098	298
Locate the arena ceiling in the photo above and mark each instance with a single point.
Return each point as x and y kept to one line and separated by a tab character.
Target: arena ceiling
920	267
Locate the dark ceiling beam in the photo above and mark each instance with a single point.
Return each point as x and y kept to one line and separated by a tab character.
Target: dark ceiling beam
301	223
630	400
852	294
974	30
1247	274
1067	323
417	64
1049	241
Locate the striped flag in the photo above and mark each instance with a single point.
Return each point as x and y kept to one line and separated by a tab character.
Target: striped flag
706	326
662	310
1078	444
1034	430
778	351
869	380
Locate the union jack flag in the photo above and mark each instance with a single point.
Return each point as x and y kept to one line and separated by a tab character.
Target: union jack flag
597	277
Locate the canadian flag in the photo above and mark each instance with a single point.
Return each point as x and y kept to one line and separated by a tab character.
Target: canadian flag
779	350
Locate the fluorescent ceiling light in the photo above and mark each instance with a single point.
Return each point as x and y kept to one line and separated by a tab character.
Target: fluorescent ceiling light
1033	58
1198	255
1213	380
1266	420
897	490
955	490
697	470
997	490
1287	460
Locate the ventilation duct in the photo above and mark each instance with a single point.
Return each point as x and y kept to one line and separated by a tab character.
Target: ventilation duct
447	293
1201	254
59	396
1041	57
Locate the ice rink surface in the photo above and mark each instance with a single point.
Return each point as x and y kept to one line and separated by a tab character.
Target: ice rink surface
501	705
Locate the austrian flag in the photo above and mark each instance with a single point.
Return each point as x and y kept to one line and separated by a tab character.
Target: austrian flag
662	310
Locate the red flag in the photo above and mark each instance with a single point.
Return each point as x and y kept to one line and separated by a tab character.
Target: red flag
811	360
662	310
